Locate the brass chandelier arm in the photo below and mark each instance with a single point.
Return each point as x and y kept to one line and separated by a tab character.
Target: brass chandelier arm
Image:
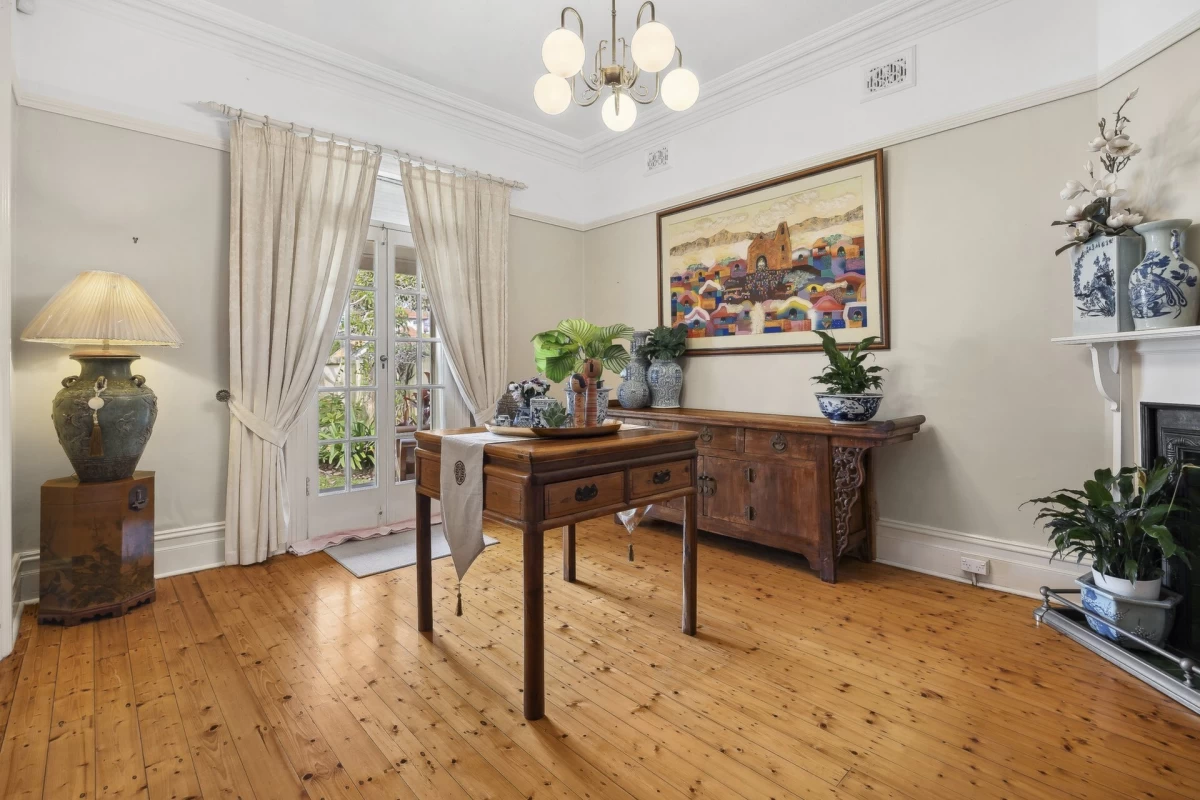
643	8
641	94
590	95
562	20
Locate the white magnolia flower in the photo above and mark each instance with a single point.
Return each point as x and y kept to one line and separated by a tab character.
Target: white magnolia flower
1074	213
1122	147
1088	169
1072	190
1097	144
1117	220
1133	218
1083	230
1107	187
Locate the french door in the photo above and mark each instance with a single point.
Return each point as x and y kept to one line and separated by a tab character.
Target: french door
383	380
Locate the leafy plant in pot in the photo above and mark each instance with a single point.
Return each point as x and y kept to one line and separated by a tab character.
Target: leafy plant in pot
665	376
1122	523
848	381
581	351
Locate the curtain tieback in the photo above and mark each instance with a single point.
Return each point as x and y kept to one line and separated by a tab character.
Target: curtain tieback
261	428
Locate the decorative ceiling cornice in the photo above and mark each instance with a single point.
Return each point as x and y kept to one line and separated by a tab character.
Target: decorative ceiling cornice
860	36
858	39
264	45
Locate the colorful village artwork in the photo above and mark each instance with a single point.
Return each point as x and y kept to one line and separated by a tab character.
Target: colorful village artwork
788	264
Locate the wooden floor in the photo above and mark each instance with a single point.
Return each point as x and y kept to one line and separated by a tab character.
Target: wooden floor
294	679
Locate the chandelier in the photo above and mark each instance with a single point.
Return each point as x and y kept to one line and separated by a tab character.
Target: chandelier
652	48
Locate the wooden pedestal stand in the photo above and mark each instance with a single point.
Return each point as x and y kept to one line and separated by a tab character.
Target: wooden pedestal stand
97	557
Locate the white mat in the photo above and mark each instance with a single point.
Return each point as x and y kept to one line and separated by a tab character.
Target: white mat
386	553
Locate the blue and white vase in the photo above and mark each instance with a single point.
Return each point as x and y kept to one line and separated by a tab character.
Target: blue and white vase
849	409
1100	269
1164	290
666	383
1149	616
602	393
634	392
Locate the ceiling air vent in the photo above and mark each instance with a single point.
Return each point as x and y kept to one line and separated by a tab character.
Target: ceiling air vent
891	74
658	159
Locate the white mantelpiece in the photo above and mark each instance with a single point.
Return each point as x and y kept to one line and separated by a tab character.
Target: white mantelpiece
1136	367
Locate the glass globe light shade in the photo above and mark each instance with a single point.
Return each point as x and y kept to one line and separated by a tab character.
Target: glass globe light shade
552	94
653	46
562	53
622	121
680	89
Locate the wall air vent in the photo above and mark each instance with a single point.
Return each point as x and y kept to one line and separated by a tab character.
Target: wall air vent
658	159
890	74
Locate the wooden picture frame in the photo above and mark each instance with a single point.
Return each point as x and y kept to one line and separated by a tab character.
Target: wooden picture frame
711	250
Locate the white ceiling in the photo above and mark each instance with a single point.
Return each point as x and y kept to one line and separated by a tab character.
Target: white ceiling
490	51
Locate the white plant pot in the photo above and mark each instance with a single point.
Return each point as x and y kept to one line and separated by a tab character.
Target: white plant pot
1135	590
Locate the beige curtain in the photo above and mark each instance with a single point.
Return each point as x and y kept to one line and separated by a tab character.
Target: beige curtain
298	218
460	228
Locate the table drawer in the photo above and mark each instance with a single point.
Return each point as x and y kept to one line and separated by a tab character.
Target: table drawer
713	437
645	481
777	443
570	497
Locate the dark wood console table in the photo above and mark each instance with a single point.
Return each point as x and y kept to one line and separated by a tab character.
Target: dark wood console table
802	484
540	484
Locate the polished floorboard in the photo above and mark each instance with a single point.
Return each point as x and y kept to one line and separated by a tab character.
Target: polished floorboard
295	679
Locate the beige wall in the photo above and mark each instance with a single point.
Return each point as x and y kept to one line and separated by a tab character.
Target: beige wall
83	192
976	295
544	286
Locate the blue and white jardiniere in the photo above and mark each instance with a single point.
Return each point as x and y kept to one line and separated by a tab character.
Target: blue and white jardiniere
666	383
1164	290
1149	615
848	409
1100	270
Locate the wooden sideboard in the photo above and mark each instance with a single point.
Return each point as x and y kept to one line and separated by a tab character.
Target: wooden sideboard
800	484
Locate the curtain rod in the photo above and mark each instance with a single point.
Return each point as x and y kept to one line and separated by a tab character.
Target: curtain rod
238	113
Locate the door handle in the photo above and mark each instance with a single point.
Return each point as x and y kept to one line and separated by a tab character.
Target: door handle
661	477
585	493
750	513
750	474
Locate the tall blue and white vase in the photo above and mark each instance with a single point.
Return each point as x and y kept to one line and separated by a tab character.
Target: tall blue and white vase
1100	270
634	392
1163	290
666	383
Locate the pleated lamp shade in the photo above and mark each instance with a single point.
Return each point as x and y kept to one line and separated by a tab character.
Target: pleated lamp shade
102	309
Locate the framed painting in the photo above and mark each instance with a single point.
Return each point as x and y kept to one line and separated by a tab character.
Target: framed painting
762	268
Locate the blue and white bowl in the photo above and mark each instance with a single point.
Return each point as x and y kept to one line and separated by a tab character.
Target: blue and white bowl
849	409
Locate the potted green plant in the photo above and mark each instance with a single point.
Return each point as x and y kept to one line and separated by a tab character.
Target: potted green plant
1121	522
665	376
848	399
579	350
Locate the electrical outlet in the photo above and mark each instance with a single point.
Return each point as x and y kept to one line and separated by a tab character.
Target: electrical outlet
977	566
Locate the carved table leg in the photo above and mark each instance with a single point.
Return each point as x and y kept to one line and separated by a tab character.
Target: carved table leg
871	516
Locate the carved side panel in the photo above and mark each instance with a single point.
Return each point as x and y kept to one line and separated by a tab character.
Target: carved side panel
848	475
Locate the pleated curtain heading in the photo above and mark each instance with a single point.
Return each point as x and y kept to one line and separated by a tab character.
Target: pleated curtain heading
103	309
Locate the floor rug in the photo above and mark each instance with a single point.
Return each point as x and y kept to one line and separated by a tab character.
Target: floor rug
318	543
386	553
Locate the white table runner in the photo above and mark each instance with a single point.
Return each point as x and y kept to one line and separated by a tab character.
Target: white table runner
462	495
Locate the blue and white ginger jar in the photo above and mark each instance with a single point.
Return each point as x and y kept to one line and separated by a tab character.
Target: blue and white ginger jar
1164	290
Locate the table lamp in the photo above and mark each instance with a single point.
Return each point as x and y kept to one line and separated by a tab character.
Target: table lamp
104	415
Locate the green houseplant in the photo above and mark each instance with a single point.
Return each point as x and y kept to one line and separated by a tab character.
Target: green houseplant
577	345
665	376
1119	521
848	381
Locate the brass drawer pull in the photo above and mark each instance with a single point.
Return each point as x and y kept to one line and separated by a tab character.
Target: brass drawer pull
779	442
750	513
662	476
704	486
706	435
585	493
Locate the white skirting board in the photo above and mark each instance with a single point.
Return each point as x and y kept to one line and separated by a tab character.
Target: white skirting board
1015	567
176	551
